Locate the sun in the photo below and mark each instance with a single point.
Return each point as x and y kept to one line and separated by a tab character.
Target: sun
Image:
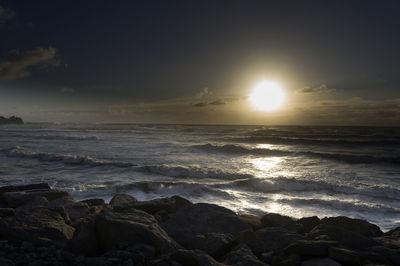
267	96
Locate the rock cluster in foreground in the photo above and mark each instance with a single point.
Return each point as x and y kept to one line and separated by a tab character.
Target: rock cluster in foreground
44	226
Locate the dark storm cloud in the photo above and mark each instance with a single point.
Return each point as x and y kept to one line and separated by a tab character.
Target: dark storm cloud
16	64
321	89
6	14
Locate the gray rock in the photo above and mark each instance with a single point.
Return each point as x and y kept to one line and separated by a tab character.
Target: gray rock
307	224
93	202
394	232
193	258
354	225
134	227
242	256
35	202
390	239
310	248
344	256
84	241
40	226
253	220
19	198
320	262
277	220
77	210
24	187
121	201
169	205
266	257
214	244
345	238
268	239
201	219
7	212
392	255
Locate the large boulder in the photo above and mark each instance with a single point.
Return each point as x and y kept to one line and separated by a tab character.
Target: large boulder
39	225
19	198
135	227
24	187
390	239
253	220
307	224
169	205
277	220
186	258
310	248
121	201
84	241
345	256
320	262
214	244
354	225
200	219
393	255
346	238
242	256
268	239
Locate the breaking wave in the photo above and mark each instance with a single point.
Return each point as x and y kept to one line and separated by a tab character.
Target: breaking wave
195	172
241	150
72	159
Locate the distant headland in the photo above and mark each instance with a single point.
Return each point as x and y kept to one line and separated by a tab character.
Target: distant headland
13	120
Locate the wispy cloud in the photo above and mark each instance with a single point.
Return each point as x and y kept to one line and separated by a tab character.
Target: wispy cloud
16	64
203	93
216	102
321	89
6	14
67	90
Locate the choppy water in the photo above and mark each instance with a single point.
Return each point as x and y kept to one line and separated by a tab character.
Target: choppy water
296	171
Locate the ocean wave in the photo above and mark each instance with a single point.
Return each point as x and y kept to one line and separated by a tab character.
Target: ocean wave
52	137
171	188
294	185
195	172
313	141
73	159
348	158
340	205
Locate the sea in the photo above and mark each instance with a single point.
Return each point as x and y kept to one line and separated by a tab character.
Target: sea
297	171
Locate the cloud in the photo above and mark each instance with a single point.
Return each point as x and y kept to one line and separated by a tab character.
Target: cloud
202	104
216	102
67	90
203	93
16	64
6	14
321	89
353	111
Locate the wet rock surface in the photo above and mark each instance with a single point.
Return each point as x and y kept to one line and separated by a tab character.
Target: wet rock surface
44	226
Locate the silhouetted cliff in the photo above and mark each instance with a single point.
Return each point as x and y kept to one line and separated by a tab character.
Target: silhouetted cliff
13	120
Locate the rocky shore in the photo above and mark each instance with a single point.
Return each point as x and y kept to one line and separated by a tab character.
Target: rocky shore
44	226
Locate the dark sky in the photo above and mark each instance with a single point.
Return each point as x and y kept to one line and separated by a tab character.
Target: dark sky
149	61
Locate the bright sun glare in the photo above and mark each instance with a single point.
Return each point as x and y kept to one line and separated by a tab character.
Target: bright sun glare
267	96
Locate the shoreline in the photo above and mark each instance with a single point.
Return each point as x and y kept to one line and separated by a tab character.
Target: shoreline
44	226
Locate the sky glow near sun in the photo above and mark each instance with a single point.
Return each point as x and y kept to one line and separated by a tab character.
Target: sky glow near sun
267	96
